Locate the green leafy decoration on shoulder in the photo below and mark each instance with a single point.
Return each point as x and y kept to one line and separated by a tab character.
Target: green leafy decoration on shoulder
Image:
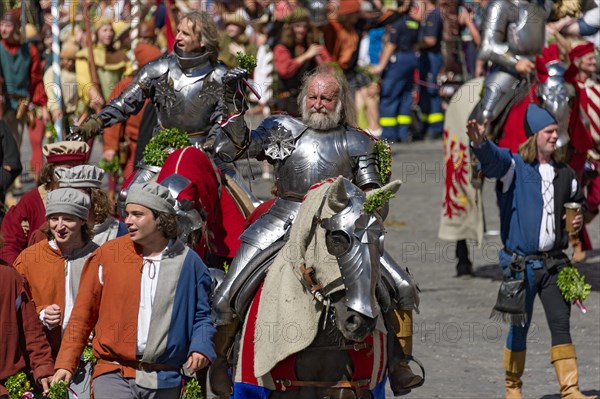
164	143
377	200
384	160
572	285
192	390
246	61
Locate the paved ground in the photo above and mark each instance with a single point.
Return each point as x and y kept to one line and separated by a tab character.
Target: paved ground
459	345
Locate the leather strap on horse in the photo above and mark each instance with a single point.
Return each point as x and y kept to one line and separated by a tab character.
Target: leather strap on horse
285	383
350	347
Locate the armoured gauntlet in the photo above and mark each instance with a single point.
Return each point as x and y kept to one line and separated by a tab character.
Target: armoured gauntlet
233	91
88	129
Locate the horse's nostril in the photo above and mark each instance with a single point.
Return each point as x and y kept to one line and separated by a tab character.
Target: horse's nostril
352	323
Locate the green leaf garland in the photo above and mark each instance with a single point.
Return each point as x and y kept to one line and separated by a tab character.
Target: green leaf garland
164	143
17	385
384	160
58	390
192	390
377	200
572	285
246	61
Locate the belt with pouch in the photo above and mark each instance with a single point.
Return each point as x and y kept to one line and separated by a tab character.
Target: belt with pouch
518	262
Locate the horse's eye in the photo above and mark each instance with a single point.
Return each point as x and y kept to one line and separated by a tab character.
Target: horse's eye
338	242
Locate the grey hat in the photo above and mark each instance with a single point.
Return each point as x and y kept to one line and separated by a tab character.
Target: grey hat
69	201
151	195
80	176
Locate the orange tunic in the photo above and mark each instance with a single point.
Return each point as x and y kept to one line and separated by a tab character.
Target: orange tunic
45	267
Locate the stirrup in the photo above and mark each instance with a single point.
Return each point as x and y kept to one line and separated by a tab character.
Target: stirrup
400	391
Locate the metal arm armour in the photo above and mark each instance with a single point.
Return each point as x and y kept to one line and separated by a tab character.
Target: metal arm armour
131	101
513	30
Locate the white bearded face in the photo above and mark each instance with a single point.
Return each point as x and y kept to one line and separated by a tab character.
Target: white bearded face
321	119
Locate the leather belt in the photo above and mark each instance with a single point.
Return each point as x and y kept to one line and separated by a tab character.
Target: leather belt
285	383
537	255
139	365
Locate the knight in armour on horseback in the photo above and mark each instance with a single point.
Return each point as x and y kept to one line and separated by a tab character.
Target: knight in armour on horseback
186	88
319	146
513	33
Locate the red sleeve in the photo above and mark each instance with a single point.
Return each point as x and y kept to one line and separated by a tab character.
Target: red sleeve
325	56
37	236
285	64
14	237
36	83
112	134
35	345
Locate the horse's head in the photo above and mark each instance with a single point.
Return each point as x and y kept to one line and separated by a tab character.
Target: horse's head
354	236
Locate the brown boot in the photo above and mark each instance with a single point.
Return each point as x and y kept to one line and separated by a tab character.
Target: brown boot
218	375
514	364
578	253
402	377
564	359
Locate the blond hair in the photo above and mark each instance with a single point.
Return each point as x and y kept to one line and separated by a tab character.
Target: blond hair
206	31
528	151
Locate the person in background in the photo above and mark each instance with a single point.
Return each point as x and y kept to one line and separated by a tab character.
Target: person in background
584	126
21	85
11	164
110	66
397	65
121	139
470	15
234	40
297	52
533	186
71	105
430	63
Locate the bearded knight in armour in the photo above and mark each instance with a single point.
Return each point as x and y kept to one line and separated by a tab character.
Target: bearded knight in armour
320	146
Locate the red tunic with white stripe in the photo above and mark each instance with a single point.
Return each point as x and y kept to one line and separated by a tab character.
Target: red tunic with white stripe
585	122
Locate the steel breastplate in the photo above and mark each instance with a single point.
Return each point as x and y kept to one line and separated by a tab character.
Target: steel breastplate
187	101
526	32
316	156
